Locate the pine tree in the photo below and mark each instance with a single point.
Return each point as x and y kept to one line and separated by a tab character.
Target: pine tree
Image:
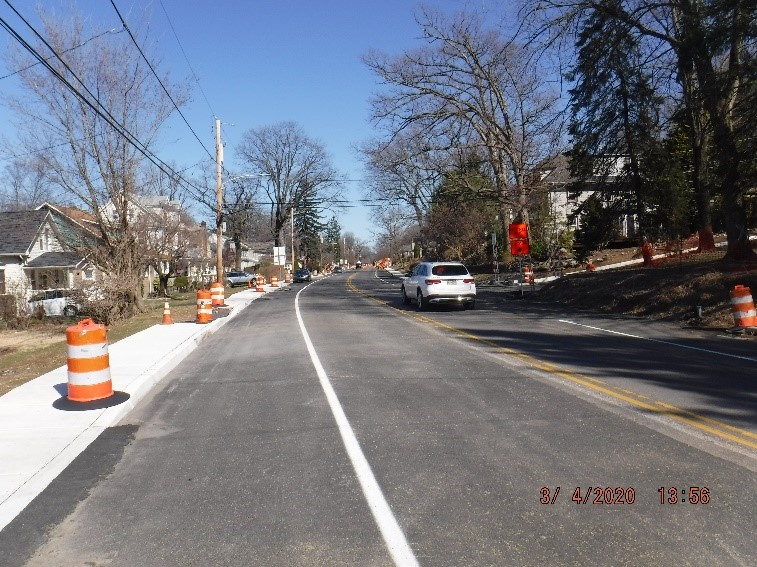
308	227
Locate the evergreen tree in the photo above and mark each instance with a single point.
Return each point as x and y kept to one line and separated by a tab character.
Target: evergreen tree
308	227
616	130
332	239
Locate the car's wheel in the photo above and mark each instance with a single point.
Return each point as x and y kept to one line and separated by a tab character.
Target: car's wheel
70	311
469	305
405	298
421	301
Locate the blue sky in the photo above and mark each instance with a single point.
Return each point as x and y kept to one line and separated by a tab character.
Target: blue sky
260	62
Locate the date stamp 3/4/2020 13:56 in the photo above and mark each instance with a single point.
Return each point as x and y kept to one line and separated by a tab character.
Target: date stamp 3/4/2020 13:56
626	495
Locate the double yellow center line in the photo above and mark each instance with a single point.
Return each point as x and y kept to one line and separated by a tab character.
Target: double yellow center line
714	427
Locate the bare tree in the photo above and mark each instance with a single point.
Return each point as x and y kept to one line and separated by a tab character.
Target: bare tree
296	168
164	235
393	231
24	185
402	171
97	116
483	88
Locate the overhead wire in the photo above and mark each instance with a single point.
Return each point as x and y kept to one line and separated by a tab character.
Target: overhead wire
160	82
184	53
104	113
82	44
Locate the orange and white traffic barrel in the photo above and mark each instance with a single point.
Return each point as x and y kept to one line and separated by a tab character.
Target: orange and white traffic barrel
204	306
88	362
274	281
288	278
259	283
528	275
217	294
742	304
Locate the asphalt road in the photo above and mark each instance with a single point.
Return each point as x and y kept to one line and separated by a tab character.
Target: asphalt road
436	438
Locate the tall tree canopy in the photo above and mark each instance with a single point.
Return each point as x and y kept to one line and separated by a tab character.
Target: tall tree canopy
471	86
296	167
708	47
96	118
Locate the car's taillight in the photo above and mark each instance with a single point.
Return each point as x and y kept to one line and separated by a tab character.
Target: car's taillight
432	282
468	280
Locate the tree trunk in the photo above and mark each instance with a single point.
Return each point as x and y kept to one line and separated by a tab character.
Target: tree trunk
163	279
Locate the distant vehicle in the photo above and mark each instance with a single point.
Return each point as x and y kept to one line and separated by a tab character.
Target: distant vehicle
238	278
439	282
54	302
338	270
358	265
302	275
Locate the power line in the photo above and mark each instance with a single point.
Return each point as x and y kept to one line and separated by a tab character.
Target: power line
165	90
82	44
197	80
109	119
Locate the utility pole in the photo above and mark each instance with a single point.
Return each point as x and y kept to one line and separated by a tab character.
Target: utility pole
219	203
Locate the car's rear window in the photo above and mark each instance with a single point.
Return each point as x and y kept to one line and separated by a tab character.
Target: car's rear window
449	270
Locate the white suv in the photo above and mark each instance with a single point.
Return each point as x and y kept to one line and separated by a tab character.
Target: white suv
439	282
54	302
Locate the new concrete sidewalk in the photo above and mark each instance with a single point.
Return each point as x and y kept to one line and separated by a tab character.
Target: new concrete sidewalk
38	441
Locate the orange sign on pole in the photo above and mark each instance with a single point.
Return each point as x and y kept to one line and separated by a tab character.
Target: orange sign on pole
518	233
519	247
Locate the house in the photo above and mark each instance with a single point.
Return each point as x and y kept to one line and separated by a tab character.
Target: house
35	254
563	198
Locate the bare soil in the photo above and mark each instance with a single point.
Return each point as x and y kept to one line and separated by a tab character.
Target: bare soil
692	289
40	346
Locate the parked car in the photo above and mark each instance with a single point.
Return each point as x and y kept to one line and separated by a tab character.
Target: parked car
302	275
238	278
54	302
338	270
431	283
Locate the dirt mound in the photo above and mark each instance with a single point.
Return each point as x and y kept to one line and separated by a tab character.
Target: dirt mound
692	295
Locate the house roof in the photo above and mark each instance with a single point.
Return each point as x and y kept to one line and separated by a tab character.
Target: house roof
57	260
554	171
72	217
18	229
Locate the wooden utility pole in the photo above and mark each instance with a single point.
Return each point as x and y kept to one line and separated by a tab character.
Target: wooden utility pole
219	204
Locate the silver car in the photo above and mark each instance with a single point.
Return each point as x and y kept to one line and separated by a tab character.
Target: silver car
431	283
238	278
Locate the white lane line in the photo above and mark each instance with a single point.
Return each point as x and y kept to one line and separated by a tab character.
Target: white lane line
393	536
679	345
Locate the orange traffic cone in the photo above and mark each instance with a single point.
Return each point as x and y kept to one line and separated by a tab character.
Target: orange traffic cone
166	315
249	284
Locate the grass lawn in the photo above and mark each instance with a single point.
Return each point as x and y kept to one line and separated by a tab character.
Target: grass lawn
29	353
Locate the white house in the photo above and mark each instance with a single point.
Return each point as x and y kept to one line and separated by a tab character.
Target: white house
34	255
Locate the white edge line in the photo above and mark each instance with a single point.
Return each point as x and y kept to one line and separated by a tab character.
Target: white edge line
679	345
390	529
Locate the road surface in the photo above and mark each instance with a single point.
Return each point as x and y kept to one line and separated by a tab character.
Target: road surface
330	425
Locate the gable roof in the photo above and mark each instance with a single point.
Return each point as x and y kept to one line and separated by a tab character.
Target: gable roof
554	172
82	220
18	229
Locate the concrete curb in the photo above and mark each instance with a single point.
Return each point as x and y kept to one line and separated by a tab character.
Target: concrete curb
37	441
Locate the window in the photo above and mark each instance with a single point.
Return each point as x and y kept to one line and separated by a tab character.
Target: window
2	282
449	270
